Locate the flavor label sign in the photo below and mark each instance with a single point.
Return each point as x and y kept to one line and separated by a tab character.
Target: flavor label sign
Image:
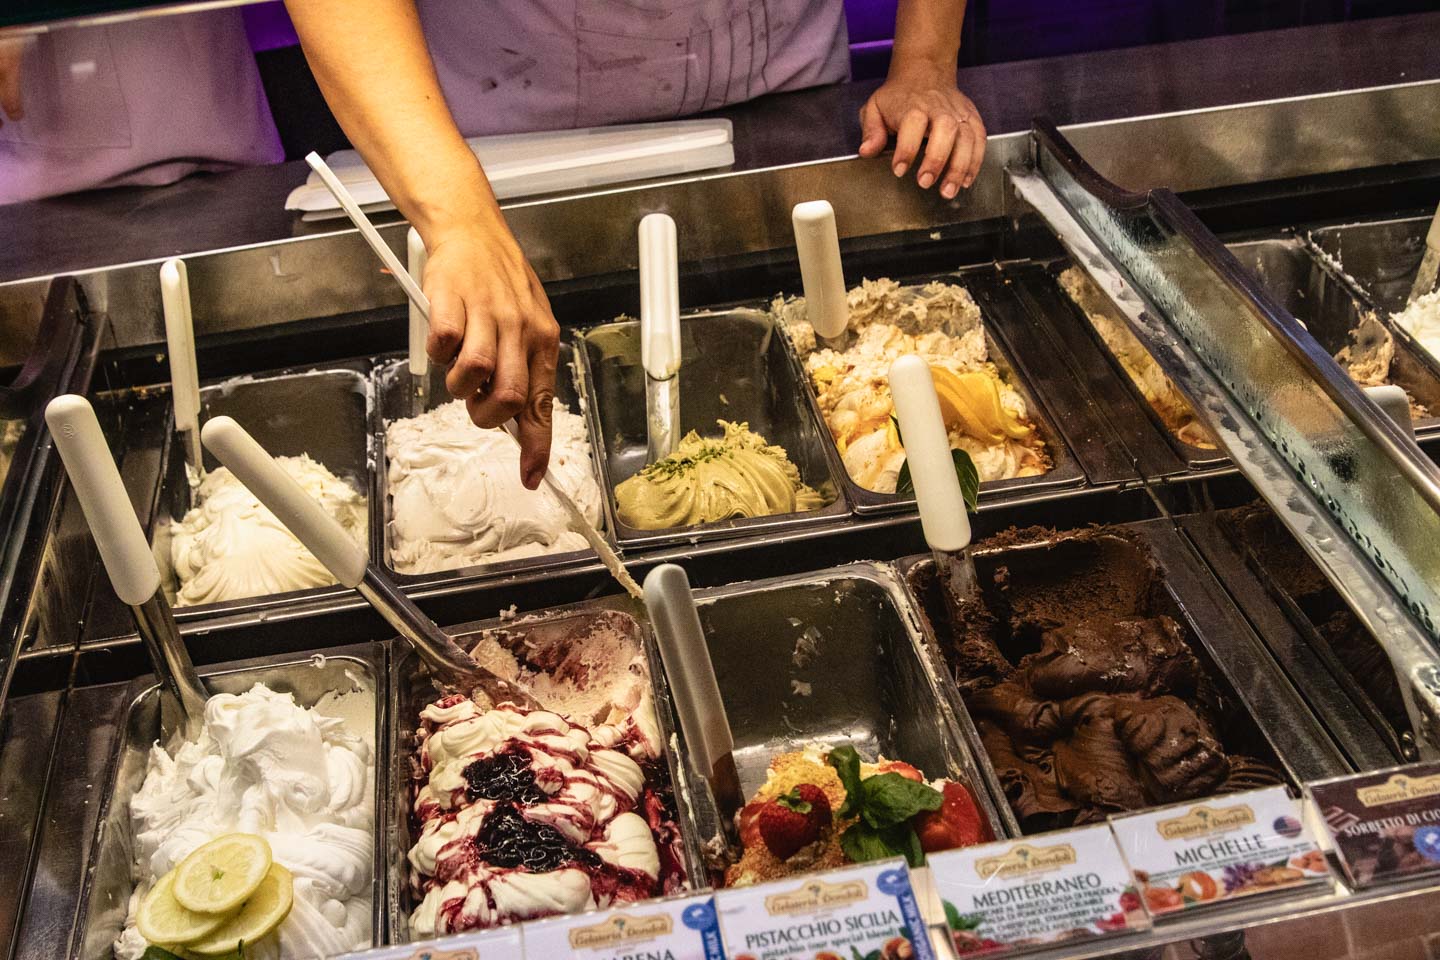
1385	825
1207	852
681	929
499	944
1069	885
867	912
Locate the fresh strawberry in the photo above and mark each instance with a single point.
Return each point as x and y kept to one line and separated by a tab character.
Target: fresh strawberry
794	820
901	767
958	822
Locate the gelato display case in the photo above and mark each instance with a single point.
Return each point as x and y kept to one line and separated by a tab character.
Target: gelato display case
1207	569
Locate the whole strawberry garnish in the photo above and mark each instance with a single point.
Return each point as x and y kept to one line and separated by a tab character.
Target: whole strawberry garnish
794	820
958	822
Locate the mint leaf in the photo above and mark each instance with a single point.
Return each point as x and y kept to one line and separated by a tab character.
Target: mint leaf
153	952
909	843
964	470
969	478
863	843
847	764
956	920
889	799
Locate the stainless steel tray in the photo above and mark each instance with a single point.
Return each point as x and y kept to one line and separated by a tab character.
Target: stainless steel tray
1381	257
872	683
1331	310
1065	470
392	389
1263	715
735	368
107	883
411	689
322	411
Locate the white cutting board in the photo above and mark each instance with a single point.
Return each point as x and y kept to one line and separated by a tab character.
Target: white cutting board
526	164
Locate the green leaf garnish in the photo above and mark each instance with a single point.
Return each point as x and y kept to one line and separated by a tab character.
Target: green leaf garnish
792	801
847	764
964	470
888	799
956	920
863	843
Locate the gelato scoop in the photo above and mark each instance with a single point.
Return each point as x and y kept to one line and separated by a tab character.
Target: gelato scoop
457	499
1086	694
984	415
229	546
303	779
706	480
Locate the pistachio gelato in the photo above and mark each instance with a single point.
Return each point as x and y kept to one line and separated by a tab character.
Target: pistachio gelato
740	474
984	415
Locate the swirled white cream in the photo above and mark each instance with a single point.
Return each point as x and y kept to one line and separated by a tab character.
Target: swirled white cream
301	778
566	802
229	546
1421	319
456	496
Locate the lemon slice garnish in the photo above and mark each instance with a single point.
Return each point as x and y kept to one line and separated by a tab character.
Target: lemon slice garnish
222	874
266	909
162	920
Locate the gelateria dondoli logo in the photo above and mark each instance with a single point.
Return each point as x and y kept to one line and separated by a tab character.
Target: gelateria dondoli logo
1398	789
1205	820
619	930
1024	859
816	895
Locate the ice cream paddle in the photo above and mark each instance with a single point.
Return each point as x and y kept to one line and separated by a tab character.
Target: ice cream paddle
180	343
660	334
1430	264
419	327
943	515
348	562
817	242
128	560
692	679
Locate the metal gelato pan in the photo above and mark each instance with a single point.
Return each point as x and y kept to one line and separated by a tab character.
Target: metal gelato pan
108	881
1136	571
412	689
393	393
323	412
735	367
1381	257
1065	470
829	658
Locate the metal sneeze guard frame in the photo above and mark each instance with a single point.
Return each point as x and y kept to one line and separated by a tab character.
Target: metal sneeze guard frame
1344	478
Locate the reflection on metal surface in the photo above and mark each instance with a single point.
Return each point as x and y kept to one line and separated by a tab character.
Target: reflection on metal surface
1297	427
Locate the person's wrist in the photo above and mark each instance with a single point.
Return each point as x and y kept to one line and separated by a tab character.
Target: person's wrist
923	68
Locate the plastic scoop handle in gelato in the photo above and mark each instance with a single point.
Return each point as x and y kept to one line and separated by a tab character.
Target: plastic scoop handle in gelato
709	480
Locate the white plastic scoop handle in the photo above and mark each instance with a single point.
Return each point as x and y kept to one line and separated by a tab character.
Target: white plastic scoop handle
180	340
123	547
659	297
927	449
282	494
817	241
687	663
419	319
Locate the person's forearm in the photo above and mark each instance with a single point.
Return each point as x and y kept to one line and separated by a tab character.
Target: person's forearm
927	35
370	59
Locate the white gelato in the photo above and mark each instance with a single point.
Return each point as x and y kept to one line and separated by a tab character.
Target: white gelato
1421	319
457	499
229	546
304	779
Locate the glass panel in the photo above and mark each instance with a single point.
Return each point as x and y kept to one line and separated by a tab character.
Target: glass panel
1275	398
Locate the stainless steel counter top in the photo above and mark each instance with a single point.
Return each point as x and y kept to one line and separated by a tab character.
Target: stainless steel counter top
104	228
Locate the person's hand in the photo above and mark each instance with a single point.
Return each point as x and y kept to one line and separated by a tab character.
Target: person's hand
920	102
11	105
489	316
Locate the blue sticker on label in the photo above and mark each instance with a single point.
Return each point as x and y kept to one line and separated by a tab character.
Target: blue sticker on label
1427	842
700	916
893	882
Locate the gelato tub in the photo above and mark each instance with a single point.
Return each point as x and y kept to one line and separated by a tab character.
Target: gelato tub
735	371
817	661
219	552
1100	681
458	518
342	686
500	815
990	411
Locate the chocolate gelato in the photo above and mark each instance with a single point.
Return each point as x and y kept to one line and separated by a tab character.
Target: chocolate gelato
1086	692
1281	561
